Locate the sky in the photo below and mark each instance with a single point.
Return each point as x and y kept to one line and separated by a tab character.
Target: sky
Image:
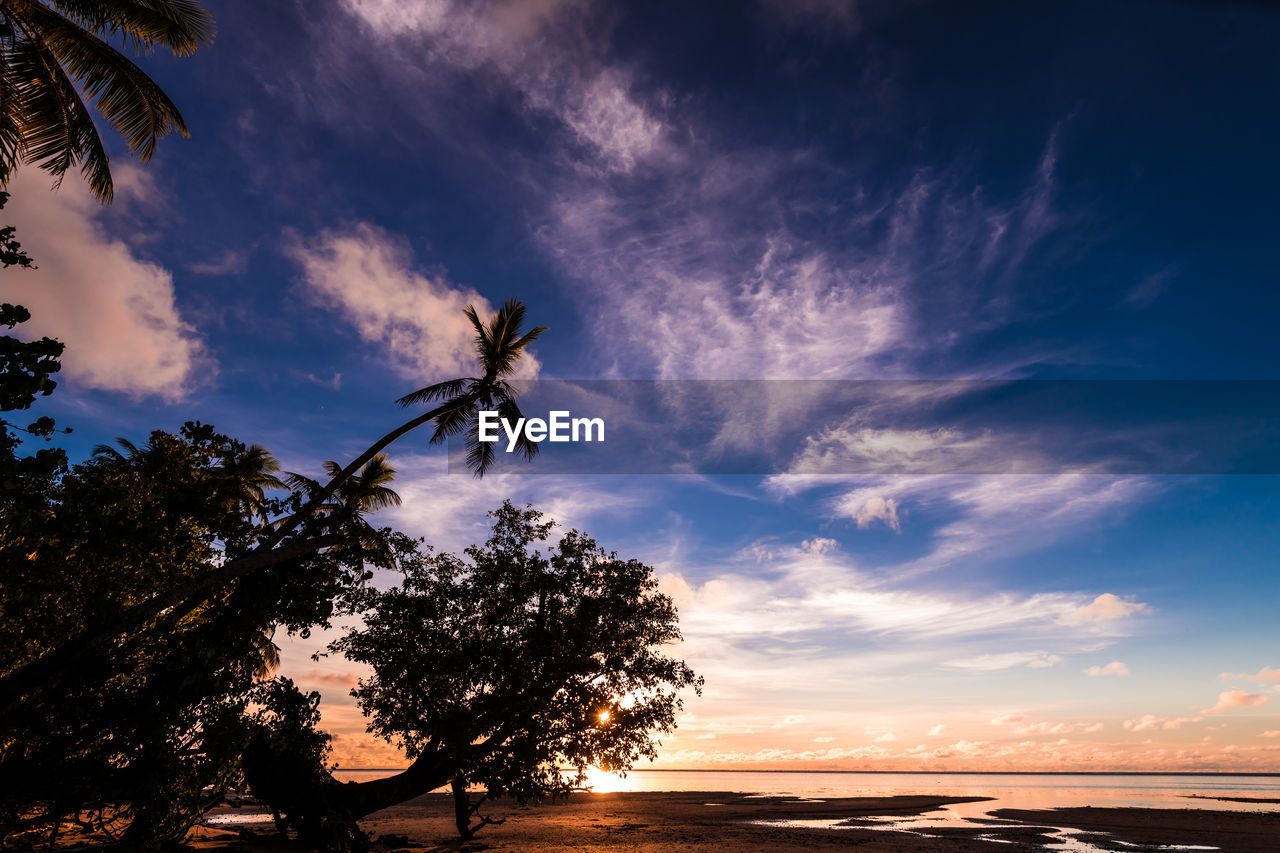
768	190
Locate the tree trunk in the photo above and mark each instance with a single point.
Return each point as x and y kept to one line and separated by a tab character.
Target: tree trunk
359	799
461	808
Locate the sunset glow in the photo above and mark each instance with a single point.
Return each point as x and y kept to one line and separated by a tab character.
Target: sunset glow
718	216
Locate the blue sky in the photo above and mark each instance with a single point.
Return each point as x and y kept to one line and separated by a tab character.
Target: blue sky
768	190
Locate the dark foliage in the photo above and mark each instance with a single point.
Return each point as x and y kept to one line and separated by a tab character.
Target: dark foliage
517	666
149	730
26	373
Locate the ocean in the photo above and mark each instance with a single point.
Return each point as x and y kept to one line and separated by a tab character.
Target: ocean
1010	790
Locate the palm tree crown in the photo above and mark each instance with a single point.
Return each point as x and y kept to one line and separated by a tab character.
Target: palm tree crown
499	345
51	50
247	477
365	492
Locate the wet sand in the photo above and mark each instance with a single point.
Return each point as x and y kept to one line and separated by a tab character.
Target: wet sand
706	822
1230	832
1234	799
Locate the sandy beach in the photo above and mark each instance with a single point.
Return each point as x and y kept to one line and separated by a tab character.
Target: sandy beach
717	821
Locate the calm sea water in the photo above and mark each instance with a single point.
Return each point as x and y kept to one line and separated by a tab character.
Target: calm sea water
1011	790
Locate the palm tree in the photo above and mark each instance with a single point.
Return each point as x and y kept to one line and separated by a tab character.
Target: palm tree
247	476
132	452
344	513
265	654
366	492
499	345
52	50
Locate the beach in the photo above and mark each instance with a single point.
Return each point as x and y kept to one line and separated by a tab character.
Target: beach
649	822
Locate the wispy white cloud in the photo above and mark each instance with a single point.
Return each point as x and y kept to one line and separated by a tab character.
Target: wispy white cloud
1048	728
116	311
994	516
544	52
1229	699
1006	660
687	239
879	509
1113	668
449	510
367	276
230	262
720	285
1107	607
1150	722
1264	674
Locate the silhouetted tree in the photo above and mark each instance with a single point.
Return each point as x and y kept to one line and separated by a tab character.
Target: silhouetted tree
140	593
287	757
309	527
147	731
51	51
26	373
503	667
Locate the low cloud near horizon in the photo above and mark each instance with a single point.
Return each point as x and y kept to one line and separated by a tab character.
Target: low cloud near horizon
1237	699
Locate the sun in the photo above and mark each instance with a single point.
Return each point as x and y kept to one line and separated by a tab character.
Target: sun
603	717
606	782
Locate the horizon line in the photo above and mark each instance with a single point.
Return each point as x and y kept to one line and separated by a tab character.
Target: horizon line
908	772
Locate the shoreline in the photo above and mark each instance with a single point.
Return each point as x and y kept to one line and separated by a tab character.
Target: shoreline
1189	773
706	821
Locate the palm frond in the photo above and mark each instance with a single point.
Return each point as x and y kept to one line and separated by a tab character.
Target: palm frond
481	340
509	411
439	391
480	455
300	483
57	130
125	96
11	144
453	420
380	497
507	322
180	25
368	491
528	338
261	466
376	472
268	654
